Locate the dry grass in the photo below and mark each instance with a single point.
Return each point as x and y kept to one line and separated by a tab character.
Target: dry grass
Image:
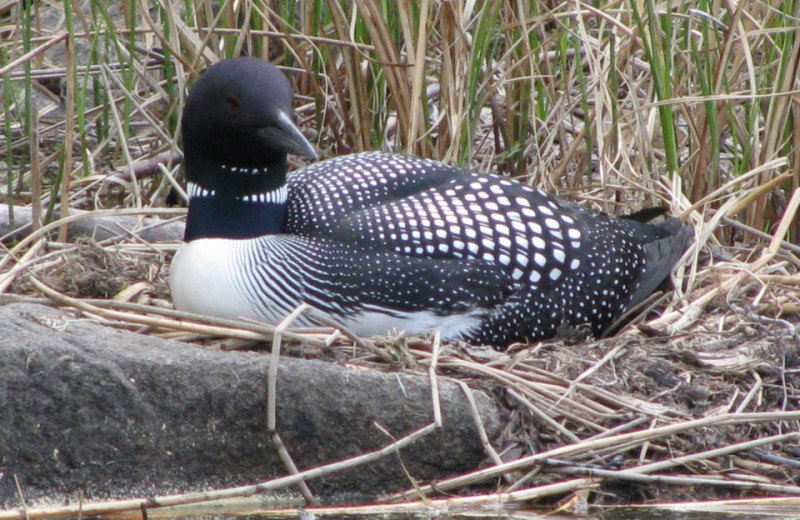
620	106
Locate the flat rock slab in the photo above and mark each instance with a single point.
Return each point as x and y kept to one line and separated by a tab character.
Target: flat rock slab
87	408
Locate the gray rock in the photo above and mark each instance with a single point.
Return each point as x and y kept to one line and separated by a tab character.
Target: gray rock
114	413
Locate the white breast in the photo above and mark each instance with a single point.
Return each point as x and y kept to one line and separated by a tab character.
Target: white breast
201	281
214	276
248	279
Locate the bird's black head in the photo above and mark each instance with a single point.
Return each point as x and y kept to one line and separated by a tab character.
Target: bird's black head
237	129
238	119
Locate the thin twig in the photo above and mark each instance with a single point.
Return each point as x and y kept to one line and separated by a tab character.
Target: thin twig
678	480
476	417
437	409
272	393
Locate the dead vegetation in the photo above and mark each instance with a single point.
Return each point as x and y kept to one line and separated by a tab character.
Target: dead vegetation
697	397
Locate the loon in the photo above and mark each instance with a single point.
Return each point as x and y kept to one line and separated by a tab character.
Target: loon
382	241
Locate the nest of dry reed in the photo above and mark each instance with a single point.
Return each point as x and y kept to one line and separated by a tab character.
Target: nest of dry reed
696	398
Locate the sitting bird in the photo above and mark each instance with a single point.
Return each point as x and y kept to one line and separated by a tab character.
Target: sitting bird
381	241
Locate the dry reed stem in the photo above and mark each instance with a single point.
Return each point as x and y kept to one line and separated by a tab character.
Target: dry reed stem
69	138
476	416
50	42
755	506
272	399
633	476
124	146
436	406
784	506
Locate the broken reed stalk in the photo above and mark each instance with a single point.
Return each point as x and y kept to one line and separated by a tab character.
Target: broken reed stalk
69	101
752	506
476	416
436	406
272	398
633	476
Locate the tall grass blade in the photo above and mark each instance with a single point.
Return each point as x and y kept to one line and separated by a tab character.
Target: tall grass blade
69	102
9	102
657	40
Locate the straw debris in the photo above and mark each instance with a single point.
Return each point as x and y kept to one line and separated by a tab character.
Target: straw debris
89	270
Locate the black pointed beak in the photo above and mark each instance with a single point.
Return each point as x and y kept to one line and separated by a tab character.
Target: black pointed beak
286	137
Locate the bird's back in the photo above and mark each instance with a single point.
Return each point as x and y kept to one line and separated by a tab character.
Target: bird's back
566	266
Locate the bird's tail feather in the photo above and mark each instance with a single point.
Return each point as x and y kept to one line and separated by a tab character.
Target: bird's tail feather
661	254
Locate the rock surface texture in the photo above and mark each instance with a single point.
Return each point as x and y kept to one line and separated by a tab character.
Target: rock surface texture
86	408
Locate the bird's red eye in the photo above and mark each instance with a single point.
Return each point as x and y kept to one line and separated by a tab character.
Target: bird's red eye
233	104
